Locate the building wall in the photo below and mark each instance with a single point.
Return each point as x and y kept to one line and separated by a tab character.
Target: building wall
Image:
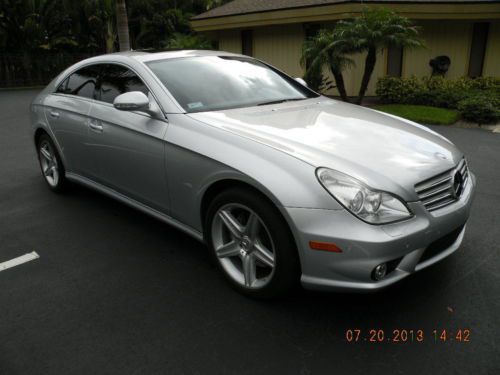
492	59
450	38
281	46
230	40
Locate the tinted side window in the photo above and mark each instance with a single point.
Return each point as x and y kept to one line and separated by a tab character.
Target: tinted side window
81	83
117	80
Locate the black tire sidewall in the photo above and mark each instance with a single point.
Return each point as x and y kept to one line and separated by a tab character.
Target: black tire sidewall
287	266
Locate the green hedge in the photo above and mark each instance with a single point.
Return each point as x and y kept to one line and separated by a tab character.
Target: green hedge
476	99
484	109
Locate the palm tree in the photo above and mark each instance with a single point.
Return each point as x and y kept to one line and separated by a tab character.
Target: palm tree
100	18
327	49
122	25
373	31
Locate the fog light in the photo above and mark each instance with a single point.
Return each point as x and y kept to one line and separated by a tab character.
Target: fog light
379	272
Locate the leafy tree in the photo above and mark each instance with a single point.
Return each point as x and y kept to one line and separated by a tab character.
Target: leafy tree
183	41
39	38
100	15
154	29
373	31
92	26
326	49
215	3
29	25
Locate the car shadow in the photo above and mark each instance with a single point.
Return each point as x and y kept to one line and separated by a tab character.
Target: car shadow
387	305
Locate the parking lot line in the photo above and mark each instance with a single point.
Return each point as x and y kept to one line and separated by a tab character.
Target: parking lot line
19	260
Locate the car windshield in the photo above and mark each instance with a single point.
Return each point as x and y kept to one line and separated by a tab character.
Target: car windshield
210	83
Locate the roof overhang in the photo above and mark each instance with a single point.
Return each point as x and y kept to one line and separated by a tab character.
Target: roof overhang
421	11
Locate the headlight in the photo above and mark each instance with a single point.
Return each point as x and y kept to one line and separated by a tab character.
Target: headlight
375	207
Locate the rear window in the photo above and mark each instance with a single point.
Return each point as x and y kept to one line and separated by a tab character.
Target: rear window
81	83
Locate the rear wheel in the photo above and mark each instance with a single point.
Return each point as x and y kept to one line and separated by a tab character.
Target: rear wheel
252	244
51	164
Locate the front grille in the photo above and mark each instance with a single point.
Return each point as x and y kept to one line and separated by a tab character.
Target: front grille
443	189
441	244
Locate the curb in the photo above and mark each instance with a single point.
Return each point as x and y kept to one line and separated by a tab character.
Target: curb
494	128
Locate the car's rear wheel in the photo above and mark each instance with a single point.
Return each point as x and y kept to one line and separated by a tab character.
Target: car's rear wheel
51	164
252	244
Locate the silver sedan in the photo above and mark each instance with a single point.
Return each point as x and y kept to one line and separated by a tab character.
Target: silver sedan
283	185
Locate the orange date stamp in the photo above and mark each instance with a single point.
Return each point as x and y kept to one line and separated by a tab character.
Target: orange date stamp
355	335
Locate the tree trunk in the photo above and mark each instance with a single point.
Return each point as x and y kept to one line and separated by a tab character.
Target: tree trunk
122	25
371	59
110	37
339	82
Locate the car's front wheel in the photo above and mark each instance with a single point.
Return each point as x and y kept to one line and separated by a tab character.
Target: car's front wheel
252	244
51	164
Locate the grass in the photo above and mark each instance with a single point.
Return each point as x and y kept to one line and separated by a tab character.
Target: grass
422	114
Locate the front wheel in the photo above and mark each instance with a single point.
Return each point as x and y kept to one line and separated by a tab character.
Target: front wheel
252	244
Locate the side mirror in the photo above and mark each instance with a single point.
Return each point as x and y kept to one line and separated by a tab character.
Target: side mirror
301	81
132	101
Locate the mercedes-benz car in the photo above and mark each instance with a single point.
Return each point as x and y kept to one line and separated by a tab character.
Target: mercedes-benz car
285	186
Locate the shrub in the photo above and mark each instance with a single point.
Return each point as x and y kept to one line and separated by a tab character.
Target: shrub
437	91
397	90
485	83
445	93
480	108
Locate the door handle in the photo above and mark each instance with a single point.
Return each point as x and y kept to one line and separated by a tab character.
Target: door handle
95	126
54	114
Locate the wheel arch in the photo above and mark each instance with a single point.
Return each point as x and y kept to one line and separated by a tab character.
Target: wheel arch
217	187
41	130
220	185
38	133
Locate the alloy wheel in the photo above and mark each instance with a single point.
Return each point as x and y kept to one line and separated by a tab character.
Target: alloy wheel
243	245
49	164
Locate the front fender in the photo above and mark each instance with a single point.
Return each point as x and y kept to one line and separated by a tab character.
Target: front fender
198	155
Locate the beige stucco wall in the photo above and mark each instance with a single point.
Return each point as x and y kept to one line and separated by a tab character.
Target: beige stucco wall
491	65
450	38
281	46
230	40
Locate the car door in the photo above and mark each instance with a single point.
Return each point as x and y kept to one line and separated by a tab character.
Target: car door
66	111
127	147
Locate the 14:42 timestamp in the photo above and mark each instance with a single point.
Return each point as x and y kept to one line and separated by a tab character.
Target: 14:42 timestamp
407	335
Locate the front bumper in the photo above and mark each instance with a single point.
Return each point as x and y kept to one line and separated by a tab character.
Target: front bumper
365	246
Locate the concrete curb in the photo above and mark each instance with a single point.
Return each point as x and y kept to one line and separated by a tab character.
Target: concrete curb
494	128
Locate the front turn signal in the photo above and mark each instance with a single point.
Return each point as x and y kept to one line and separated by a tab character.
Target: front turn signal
324	246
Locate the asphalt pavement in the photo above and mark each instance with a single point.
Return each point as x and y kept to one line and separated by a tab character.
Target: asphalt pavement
117	292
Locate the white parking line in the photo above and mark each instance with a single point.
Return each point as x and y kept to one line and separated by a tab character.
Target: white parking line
19	260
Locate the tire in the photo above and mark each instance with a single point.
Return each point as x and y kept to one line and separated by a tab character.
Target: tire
51	165
252	244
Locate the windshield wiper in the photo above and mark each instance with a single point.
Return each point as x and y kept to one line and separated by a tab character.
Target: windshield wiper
281	101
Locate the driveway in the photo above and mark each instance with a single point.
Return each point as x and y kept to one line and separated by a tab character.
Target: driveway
117	292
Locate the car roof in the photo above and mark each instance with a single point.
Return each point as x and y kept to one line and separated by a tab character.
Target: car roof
145	56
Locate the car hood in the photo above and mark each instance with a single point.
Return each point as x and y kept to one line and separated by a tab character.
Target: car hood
386	152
